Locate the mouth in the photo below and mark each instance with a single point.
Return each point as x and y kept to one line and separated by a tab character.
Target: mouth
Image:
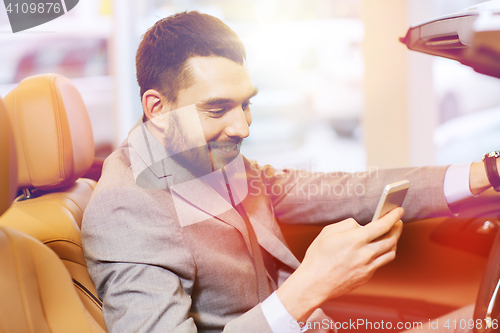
225	149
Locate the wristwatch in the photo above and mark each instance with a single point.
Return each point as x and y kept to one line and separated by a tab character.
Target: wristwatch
490	164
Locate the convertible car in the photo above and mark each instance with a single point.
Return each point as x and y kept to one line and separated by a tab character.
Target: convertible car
48	172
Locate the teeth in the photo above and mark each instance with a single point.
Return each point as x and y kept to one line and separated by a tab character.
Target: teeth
227	147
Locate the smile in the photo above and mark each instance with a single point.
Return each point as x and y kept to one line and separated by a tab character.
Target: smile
225	149
229	148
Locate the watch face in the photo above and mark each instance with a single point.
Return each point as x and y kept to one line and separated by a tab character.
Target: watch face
494	154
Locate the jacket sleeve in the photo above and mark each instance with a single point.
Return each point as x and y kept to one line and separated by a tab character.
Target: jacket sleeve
141	266
301	197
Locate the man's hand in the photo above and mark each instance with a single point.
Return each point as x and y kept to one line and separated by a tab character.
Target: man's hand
342	257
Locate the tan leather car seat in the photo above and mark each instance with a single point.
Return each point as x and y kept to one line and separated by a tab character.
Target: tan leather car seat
8	161
37	293
54	145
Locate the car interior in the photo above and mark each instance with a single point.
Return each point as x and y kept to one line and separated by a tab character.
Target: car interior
54	152
439	266
48	172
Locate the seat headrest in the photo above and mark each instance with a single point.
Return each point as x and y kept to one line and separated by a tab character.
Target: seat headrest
52	131
8	161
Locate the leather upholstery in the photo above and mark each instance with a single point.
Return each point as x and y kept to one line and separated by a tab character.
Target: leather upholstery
54	146
37	293
55	219
53	133
8	165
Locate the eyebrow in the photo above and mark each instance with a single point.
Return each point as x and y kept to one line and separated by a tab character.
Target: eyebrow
220	101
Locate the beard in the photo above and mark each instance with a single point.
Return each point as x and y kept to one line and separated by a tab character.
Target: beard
201	160
224	152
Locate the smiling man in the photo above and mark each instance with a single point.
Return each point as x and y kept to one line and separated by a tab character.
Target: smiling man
182	232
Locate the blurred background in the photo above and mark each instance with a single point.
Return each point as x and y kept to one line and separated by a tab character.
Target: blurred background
337	91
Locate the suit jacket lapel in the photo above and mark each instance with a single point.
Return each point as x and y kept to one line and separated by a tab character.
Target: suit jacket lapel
195	201
216	204
261	216
198	199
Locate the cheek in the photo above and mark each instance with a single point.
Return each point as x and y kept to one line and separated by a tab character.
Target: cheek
211	128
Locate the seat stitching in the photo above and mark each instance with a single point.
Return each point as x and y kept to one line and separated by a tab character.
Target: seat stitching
75	262
72	241
60	141
52	203
40	292
77	205
39	203
86	293
17	134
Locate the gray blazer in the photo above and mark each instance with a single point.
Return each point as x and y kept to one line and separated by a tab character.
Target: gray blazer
165	257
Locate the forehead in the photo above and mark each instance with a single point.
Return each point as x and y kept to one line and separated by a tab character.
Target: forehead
216	77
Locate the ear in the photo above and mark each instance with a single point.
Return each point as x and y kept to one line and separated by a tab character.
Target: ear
153	104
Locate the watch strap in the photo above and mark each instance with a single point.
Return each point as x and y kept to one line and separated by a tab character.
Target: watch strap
490	164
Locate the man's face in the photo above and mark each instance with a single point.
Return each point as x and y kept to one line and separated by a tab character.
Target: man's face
221	92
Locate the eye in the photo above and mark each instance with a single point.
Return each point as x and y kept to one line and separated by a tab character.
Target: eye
245	106
215	113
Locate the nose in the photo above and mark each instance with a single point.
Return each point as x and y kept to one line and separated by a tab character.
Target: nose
238	124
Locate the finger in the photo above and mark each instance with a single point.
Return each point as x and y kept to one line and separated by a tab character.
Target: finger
400	224
387	247
388	241
382	260
397	226
343	226
381	226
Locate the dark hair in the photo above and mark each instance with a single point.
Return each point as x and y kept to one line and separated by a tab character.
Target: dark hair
166	46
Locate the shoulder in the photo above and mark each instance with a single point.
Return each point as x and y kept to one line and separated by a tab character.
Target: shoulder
124	222
118	200
116	169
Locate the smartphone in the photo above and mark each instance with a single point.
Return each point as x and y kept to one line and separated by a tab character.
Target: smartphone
393	196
